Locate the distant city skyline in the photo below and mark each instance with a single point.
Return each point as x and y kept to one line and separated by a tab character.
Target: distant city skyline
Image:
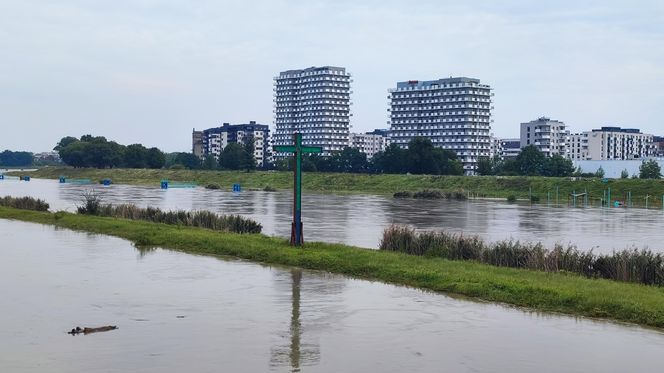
148	72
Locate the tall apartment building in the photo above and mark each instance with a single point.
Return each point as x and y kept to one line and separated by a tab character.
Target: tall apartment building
611	143
547	135
454	113
370	143
212	141
316	103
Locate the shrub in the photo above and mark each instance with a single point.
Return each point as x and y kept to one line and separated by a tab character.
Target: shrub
213	186
429	194
24	203
269	189
511	198
534	198
403	194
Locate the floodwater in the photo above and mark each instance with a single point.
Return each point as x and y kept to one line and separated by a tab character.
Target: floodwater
360	219
178	312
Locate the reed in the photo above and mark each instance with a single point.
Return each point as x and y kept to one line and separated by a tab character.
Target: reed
459	194
24	203
637	266
199	218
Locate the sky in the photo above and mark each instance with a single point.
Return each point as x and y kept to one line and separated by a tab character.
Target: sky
149	71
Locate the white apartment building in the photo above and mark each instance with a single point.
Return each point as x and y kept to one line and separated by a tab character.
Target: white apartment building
212	141
611	143
547	135
316	103
454	113
370	143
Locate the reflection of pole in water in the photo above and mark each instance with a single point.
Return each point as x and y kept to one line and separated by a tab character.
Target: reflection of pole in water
296	275
296	354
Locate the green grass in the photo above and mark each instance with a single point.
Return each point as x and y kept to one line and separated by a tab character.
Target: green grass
553	292
482	186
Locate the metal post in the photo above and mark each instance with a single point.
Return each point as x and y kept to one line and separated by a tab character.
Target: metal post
574	196
557	203
609	198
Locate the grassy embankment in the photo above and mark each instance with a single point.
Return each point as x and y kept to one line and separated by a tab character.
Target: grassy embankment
483	186
555	292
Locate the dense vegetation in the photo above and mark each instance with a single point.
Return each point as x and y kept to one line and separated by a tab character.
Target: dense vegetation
10	158
530	162
421	157
89	151
537	290
24	203
202	219
643	266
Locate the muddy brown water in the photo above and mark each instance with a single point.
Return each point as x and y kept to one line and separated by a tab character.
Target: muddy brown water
360	219
178	312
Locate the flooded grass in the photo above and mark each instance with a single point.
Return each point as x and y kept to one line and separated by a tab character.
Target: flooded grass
24	203
562	292
639	266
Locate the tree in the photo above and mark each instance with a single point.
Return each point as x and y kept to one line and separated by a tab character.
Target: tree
485	166
210	162
349	160
530	161
420	157
188	160
155	158
557	166
249	158
64	142
390	161
135	156
15	159
599	173
624	174
650	170
233	157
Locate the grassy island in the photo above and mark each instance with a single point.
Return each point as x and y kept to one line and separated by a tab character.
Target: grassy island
542	189
542	291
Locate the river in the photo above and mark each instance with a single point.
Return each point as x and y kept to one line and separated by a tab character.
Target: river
359	220
178	312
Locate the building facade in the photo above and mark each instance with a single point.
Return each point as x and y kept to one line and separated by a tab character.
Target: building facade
612	143
510	148
370	143
316	103
454	113
548	135
212	141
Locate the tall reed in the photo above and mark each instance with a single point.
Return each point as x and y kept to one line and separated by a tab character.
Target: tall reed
200	218
24	203
640	266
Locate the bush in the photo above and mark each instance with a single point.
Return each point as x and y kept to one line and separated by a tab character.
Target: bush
643	266
213	186
403	194
429	194
92	203
511	198
24	203
534	198
269	189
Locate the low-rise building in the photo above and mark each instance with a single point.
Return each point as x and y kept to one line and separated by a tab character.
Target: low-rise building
510	148
550	136
212	141
611	143
370	143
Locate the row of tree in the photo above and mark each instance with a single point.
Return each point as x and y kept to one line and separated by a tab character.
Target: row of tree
96	151
530	162
421	157
9	158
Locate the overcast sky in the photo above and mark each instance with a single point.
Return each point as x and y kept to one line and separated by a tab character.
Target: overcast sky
149	71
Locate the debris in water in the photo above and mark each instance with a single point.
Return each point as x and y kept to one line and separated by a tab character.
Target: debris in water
78	329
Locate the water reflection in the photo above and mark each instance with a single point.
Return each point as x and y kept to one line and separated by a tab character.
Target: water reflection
360	219
295	354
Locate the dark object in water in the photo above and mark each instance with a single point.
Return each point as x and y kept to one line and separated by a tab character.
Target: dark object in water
78	329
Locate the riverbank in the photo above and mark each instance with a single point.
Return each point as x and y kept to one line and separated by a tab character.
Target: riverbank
543	189
550	292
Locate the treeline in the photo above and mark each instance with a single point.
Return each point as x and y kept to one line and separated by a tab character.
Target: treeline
530	162
96	151
234	156
421	157
9	158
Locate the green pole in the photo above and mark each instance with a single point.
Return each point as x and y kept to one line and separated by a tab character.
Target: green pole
557	203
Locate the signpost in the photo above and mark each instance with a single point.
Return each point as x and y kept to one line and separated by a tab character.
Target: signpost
297	239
